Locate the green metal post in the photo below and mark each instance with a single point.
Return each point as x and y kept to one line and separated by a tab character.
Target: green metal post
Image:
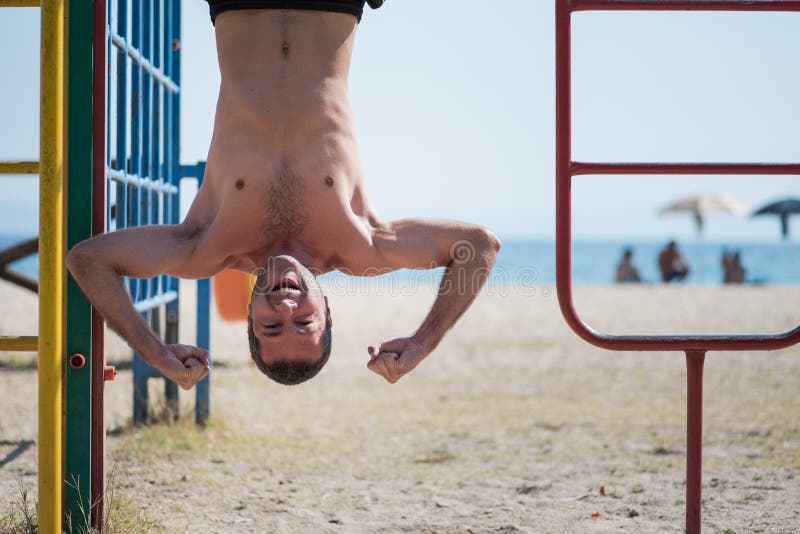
78	319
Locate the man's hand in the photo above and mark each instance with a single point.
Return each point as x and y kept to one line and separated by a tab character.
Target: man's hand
98	265
183	364
466	251
395	358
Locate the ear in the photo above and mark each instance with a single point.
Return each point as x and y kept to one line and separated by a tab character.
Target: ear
328	311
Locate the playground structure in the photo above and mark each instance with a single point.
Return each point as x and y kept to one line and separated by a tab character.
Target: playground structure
127	161
130	168
695	347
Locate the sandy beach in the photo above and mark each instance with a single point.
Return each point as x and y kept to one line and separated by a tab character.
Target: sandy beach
512	425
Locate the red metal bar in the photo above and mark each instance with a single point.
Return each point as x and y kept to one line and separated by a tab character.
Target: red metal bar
566	168
694	346
98	227
684	5
682	343
694	438
563	176
577	168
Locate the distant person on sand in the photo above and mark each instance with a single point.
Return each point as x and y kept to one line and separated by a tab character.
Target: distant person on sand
732	268
672	264
626	272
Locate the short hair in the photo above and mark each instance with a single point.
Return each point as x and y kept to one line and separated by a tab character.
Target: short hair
289	372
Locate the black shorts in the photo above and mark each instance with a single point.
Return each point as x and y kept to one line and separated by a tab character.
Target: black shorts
351	7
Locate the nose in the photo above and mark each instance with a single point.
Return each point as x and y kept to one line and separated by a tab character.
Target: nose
286	306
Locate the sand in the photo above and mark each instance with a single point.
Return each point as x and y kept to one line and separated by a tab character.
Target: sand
513	425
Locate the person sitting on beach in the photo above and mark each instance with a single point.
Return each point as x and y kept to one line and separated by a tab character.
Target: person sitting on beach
626	271
672	264
732	268
283	197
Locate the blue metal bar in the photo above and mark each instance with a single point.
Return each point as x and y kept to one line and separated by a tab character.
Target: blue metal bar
175	74
141	372
171	333
136	128
169	174
137	57
145	286
122	116
155	301
146	183
155	211
203	395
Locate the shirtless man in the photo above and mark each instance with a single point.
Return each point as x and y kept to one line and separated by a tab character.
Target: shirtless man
283	196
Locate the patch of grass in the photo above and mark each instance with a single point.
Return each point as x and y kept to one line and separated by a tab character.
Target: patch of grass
122	517
638	488
437	456
21	518
552	427
718	482
82	524
170	438
526	489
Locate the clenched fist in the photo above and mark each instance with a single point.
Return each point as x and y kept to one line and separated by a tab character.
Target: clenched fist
183	364
394	359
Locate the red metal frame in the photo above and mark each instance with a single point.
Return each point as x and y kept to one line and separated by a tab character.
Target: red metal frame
99	368
694	346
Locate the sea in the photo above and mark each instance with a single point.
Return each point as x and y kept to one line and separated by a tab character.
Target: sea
532	262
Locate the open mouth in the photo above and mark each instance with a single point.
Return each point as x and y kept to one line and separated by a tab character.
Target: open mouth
286	283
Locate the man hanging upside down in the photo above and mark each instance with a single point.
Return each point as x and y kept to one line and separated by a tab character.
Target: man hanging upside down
283	197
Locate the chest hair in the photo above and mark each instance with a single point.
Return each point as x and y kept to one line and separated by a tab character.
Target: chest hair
286	215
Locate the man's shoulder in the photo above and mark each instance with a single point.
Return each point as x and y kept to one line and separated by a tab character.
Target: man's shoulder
363	253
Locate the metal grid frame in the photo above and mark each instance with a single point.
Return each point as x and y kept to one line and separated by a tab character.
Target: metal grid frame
142	163
695	347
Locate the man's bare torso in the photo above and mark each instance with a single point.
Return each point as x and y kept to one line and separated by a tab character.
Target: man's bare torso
283	174
283	191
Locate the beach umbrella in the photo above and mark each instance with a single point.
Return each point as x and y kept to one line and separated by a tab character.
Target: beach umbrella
701	205
782	208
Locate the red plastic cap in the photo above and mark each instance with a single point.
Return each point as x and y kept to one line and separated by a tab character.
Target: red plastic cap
109	373
77	361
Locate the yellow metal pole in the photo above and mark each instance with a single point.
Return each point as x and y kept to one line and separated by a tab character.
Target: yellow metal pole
19	343
19	167
50	264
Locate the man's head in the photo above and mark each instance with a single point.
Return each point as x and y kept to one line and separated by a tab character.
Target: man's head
289	322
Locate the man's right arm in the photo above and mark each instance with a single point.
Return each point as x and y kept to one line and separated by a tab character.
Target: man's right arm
98	265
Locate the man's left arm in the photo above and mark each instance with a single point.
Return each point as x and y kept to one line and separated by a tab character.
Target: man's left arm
466	251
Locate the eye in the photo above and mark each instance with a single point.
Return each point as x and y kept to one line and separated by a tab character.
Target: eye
271	325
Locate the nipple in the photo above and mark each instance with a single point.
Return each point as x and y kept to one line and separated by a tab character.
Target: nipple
329	181
239	184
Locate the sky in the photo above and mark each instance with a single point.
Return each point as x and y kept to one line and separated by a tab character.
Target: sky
454	105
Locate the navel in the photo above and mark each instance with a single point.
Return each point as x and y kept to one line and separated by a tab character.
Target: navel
285	49
239	184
